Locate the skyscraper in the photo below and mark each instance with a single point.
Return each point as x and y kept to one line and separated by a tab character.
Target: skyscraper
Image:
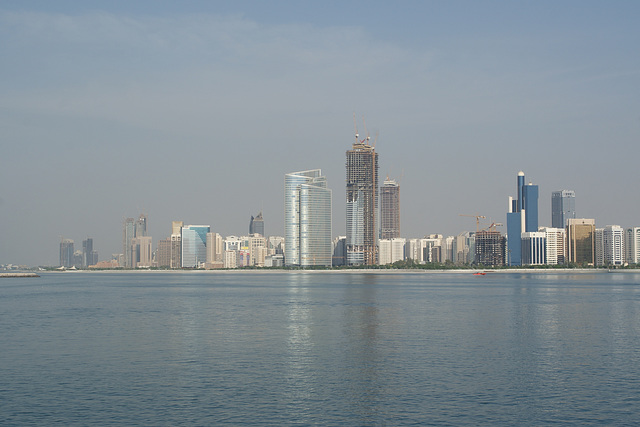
307	219
176	244
89	256
522	217
128	233
389	209
362	202
256	225
66	253
563	207
141	226
581	240
194	245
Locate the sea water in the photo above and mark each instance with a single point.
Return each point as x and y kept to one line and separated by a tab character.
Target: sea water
320	348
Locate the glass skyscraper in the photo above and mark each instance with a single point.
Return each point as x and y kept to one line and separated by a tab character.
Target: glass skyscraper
522	217
307	219
563	207
194	245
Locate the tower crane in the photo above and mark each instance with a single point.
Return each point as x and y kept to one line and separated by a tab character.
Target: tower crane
477	217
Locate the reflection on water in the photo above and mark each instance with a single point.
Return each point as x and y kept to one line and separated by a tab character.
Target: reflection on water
320	349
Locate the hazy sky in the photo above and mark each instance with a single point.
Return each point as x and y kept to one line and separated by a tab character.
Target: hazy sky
194	111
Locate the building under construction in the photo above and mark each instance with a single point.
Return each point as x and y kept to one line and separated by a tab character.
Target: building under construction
362	202
490	248
389	209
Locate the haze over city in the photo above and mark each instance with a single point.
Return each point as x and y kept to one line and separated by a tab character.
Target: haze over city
195	111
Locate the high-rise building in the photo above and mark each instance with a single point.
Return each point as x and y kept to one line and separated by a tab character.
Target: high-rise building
362	203
307	223
256	225
194	245
563	207
176	244
613	240
555	239
66	253
141	252
522	217
490	248
163	253
214	248
389	209
128	233
632	243
581	240
89	256
141	226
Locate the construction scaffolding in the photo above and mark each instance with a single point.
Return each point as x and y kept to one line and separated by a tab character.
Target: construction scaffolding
362	203
490	248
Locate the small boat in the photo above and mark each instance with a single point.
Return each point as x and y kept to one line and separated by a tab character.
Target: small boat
479	273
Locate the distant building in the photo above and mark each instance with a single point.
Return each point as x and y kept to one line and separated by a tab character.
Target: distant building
89	255
141	252
581	240
256	225
66	253
194	245
176	244
214	248
632	245
141	226
307	223
128	233
163	253
391	250
563	207
362	203
339	251
490	248
389	209
555	244
522	216
613	245
534	246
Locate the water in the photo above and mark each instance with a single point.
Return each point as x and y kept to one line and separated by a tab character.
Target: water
323	348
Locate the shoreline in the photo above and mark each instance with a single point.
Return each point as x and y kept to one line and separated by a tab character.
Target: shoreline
350	271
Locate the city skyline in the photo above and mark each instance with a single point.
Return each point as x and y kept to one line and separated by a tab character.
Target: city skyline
195	111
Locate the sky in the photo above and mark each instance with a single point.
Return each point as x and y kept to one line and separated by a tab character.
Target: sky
195	111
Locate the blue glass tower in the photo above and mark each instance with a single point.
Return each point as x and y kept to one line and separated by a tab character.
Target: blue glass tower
522	217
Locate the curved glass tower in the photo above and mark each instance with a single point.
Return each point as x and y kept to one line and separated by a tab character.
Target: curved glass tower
307	219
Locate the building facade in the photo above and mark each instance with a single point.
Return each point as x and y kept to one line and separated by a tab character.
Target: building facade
581	241
194	245
522	216
563	207
307	224
256	225
389	209
613	245
362	203
391	250
534	248
66	253
490	248
632	244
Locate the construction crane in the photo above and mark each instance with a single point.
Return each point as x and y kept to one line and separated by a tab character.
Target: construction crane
477	217
493	226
